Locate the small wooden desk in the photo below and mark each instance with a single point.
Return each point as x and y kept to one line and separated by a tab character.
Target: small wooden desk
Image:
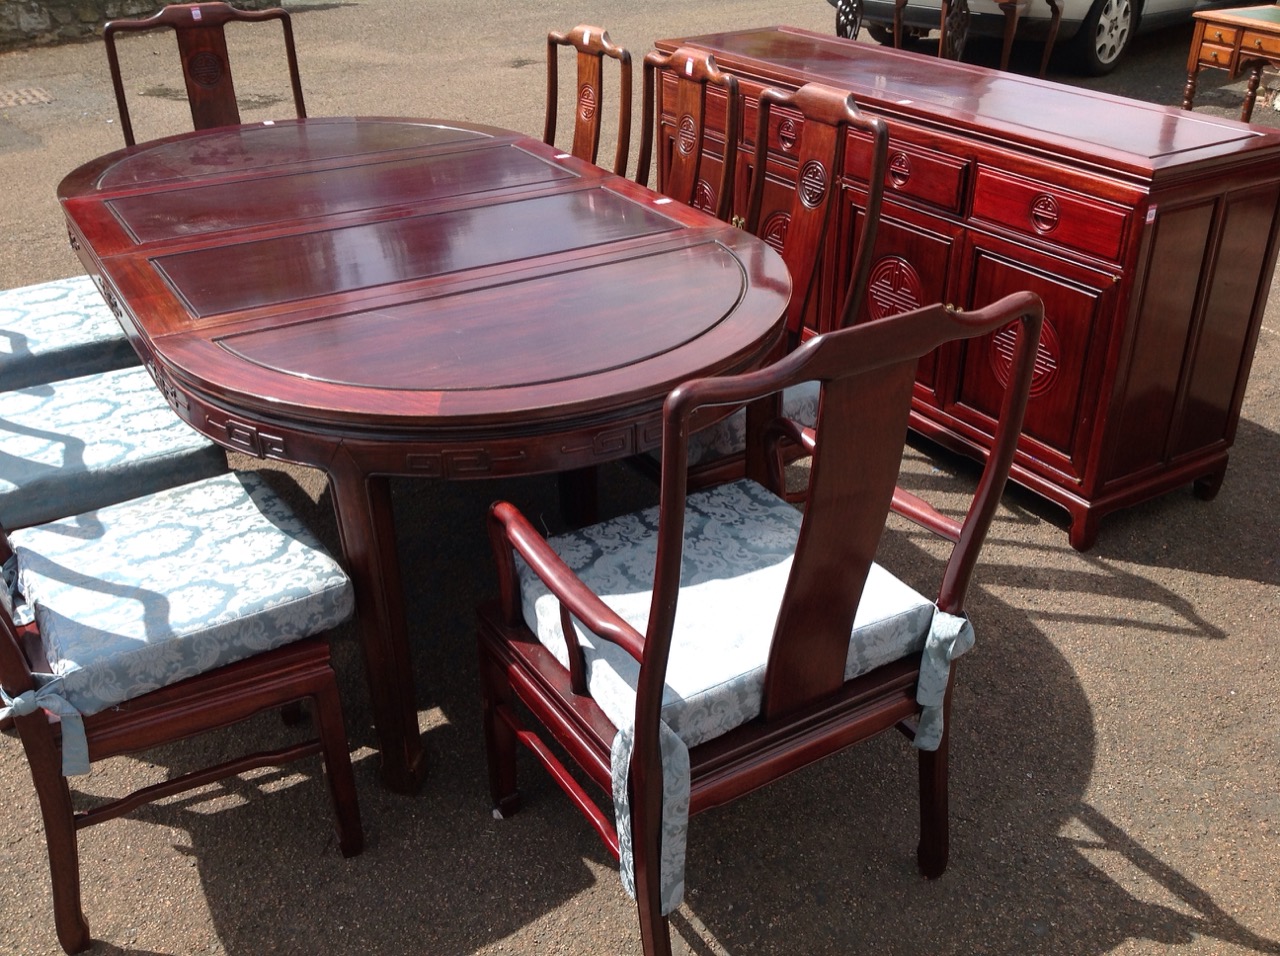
1236	40
379	297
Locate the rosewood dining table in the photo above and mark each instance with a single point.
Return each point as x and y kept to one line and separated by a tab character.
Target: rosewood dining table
381	297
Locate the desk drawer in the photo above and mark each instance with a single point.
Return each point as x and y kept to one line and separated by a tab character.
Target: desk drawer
1213	55
1049	213
1219	34
1261	44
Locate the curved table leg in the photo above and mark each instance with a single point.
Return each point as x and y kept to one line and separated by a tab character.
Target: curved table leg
365	523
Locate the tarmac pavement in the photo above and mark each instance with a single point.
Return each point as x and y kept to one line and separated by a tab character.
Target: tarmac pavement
1115	784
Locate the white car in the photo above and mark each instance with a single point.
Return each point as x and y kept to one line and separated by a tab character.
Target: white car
1094	34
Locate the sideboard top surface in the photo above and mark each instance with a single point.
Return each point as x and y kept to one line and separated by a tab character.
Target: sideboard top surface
1129	136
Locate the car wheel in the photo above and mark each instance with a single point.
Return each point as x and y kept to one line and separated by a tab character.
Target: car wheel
1104	36
881	33
848	18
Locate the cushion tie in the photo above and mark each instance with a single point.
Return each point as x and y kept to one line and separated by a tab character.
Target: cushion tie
48	696
950	635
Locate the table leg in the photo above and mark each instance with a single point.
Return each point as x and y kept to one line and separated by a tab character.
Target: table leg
1189	91
367	529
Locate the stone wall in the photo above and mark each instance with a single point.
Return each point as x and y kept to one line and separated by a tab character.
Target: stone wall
41	22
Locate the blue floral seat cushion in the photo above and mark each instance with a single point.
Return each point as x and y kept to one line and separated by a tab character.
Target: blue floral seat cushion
55	330
739	539
76	445
738	544
143	594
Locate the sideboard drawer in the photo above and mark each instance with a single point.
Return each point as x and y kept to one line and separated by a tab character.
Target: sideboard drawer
1049	213
913	172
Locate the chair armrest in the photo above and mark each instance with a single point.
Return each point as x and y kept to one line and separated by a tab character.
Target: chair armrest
510	531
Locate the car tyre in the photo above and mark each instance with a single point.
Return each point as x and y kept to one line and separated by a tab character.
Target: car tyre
848	18
1104	36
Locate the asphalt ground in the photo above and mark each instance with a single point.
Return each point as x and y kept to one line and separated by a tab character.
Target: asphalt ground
1114	770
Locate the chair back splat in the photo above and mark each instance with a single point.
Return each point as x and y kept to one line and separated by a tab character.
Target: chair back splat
592	45
683	165
202	48
688	654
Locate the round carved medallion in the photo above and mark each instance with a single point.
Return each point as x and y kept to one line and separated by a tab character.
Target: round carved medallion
775	229
812	183
206	68
899	168
1044	213
587	102
1047	356
894	286
787	134
687	138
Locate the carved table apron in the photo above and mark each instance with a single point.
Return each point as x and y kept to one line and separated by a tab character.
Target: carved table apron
380	297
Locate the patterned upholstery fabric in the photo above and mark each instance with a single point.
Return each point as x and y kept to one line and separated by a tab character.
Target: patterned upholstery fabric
729	435
77	445
56	330
739	540
143	594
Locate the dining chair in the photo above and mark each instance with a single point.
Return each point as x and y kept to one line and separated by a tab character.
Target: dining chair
206	68
685	655
792	207
58	329
157	619
685	166
592	45
72	446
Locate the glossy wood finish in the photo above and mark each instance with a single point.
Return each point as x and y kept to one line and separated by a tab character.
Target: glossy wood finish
381	297
1235	41
592	45
1150	234
202	49
686	167
277	679
809	710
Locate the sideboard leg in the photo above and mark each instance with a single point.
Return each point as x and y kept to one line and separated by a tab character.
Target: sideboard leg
1083	533
1206	487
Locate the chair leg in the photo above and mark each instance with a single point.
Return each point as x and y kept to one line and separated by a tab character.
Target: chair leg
337	766
499	737
931	855
646	851
60	838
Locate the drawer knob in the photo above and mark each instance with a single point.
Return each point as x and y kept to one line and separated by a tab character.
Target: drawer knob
1213	55
1258	42
1044	213
1217	34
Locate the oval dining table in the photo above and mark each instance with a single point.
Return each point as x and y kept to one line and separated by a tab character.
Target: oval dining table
381	297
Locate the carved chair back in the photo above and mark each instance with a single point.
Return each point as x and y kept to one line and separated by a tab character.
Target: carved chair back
206	69
680	159
826	116
592	45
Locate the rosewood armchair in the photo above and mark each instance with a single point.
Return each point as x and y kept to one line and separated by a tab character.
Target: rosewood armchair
688	654
180	613
56	330
592	45
685	170
206	68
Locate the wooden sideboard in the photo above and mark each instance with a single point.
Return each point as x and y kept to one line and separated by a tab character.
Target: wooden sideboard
1150	233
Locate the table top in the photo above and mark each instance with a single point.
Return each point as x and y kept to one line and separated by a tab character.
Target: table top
414	276
1265	17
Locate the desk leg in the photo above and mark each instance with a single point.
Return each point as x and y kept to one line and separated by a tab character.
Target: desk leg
1189	91
1251	91
365	523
